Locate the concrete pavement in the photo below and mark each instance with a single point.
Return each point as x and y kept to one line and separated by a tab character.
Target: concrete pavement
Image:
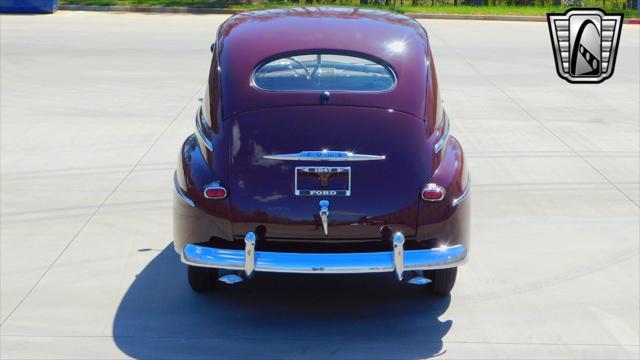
93	107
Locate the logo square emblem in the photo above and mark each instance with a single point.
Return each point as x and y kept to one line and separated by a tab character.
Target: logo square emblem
585	44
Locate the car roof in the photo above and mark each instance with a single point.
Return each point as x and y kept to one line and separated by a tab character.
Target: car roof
248	39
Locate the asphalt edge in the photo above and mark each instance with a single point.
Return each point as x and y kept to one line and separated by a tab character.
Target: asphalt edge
174	10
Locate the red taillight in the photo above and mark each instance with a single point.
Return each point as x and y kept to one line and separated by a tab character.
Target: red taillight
215	192
433	192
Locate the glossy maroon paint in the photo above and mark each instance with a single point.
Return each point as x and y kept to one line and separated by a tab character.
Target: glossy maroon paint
248	39
244	124
383	192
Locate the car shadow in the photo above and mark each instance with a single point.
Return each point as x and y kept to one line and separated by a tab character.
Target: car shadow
277	316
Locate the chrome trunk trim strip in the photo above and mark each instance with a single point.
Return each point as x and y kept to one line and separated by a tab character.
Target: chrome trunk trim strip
325	155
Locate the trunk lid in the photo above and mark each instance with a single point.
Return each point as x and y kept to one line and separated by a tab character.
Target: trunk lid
262	191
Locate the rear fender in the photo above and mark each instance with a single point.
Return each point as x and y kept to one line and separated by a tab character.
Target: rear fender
447	222
197	219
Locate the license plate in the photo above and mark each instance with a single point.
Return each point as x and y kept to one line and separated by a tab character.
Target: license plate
323	181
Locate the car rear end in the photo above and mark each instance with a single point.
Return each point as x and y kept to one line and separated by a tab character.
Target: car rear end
392	203
329	161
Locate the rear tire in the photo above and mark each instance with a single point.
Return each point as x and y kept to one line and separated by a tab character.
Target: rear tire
442	281
202	279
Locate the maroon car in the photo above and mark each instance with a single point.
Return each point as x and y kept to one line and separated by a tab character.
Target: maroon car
322	146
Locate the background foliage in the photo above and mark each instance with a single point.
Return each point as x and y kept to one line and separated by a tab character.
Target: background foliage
501	7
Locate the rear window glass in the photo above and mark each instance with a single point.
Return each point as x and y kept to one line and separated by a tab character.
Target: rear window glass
320	72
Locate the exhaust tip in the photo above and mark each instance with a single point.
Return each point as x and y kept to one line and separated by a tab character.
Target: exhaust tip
419	280
230	279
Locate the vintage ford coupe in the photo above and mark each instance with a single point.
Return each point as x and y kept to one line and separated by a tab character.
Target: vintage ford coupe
321	146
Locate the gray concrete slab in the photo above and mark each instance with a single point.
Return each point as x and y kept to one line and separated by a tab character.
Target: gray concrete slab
93	107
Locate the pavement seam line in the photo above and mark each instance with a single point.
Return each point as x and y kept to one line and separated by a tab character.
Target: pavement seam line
151	337
104	201
566	144
541	124
589	270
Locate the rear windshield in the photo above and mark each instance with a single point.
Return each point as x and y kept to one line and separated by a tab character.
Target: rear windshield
320	72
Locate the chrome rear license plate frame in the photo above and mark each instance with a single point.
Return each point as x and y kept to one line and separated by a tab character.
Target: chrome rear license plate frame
322	170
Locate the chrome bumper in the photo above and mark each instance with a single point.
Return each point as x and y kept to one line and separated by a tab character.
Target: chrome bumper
398	260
